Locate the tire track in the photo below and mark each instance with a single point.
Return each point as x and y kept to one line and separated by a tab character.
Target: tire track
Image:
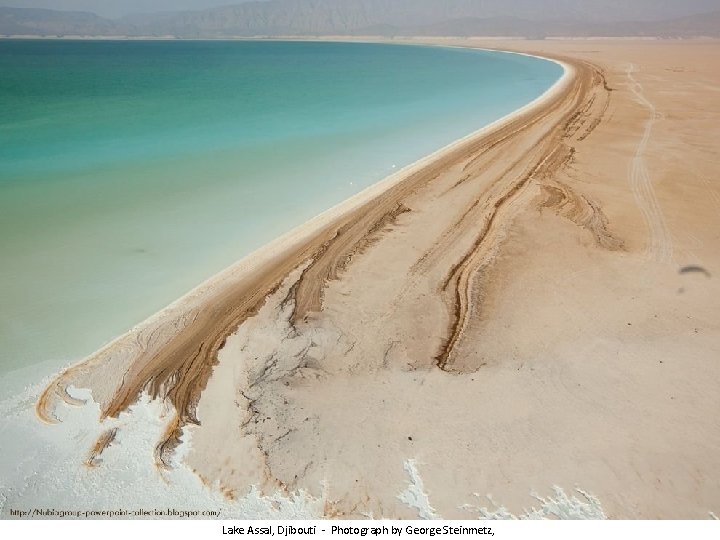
660	245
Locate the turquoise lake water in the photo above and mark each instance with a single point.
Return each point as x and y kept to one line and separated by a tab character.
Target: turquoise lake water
131	171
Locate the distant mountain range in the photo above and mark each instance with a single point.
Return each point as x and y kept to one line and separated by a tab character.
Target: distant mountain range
519	18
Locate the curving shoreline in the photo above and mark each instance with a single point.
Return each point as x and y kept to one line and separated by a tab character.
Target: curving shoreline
244	286
498	322
234	350
172	355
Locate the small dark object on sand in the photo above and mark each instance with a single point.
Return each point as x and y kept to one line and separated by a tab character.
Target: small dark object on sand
694	270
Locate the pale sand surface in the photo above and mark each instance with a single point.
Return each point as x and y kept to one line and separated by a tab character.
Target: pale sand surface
510	313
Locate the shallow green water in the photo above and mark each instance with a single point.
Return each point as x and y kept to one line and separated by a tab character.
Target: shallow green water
132	171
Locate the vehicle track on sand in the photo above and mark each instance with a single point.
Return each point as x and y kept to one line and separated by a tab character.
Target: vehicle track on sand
660	245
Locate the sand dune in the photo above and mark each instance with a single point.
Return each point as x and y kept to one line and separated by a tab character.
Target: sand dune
510	312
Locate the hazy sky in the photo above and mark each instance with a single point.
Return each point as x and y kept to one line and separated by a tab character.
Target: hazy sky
115	8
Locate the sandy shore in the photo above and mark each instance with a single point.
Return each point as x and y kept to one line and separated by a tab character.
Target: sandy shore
531	306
